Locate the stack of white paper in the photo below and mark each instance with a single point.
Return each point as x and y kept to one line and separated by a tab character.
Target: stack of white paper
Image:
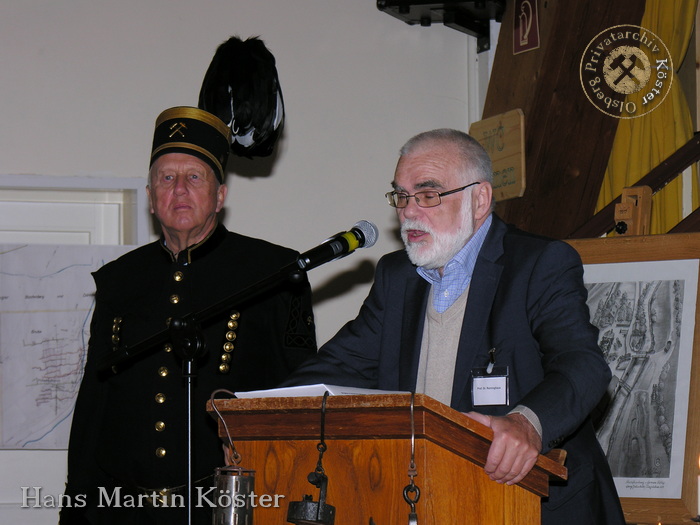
313	391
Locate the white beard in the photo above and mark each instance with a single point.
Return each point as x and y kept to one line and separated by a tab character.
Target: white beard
444	246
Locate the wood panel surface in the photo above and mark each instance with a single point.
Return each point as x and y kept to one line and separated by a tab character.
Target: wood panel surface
366	479
567	140
368	442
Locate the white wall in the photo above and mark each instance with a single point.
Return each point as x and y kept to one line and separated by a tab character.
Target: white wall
82	81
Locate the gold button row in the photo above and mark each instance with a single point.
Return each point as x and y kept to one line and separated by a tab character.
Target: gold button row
116	327
163	371
160	426
232	325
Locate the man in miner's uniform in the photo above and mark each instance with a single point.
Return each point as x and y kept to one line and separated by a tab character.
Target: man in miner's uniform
129	432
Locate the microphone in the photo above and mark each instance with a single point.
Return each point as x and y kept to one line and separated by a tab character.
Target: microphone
363	235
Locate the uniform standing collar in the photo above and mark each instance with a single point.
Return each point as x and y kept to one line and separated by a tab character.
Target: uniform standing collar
199	250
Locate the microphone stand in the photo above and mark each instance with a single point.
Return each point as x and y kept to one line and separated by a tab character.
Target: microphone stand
185	335
333	248
290	273
187	340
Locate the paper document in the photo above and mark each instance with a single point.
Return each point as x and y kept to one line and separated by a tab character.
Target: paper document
313	391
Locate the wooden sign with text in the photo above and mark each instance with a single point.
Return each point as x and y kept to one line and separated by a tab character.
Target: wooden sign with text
503	138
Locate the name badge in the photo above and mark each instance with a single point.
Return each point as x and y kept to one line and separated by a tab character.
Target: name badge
490	388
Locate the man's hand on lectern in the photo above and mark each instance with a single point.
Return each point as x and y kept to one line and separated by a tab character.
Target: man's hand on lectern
514	449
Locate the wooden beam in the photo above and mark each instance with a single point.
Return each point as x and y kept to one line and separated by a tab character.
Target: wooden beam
568	140
604	221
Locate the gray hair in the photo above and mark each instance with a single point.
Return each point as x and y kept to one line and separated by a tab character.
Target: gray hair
476	163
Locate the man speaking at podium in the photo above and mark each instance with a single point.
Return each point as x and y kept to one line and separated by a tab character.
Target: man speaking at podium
128	452
487	319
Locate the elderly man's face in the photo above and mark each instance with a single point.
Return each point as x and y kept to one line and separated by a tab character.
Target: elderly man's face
434	235
184	195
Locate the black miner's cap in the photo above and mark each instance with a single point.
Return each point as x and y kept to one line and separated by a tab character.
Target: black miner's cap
195	132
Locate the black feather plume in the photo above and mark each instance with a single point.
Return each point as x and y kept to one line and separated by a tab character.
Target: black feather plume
241	87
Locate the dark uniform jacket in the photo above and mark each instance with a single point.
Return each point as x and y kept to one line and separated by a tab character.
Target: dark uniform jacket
129	428
527	300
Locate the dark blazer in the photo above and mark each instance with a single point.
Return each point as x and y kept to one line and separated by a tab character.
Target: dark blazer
129	428
527	300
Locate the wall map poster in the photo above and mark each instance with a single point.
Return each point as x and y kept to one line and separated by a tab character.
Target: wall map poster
46	302
645	312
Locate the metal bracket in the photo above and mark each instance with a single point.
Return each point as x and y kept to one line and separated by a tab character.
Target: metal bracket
469	17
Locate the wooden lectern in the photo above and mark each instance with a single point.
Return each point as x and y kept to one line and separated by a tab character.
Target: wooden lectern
368	439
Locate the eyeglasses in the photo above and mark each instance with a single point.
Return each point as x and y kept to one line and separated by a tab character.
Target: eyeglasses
424	199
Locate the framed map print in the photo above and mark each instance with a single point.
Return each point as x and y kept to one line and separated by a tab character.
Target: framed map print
643	298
